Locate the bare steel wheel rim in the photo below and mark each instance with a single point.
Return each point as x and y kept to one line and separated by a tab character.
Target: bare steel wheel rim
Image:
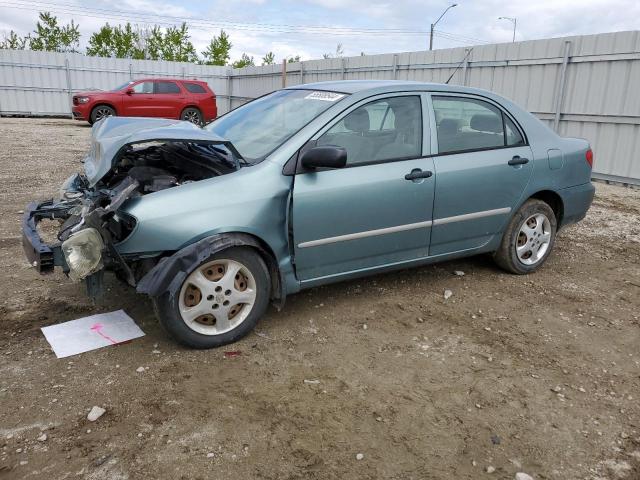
102	113
534	238
217	297
192	116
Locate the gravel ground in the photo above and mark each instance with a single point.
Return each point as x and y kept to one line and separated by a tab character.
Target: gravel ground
537	374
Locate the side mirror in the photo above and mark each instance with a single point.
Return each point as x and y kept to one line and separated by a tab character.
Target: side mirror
129	91
327	156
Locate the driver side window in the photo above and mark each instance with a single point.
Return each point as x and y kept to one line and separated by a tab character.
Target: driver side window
143	87
383	130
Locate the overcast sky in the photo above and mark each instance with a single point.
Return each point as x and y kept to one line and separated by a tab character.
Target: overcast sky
262	26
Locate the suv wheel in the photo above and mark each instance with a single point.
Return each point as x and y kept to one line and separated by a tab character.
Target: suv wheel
220	300
528	239
192	115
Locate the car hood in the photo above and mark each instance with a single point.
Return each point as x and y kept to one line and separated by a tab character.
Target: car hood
110	135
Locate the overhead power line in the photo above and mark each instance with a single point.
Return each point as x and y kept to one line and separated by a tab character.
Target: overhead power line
207	24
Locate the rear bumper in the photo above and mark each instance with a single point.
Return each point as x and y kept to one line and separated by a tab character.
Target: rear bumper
42	256
576	201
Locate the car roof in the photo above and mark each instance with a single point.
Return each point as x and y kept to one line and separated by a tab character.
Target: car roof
168	79
384	86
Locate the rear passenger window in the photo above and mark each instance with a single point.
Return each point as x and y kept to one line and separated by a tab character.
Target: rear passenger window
469	124
167	87
387	129
513	135
194	88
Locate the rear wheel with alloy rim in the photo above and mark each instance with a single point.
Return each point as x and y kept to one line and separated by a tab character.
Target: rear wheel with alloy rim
220	300
528	239
100	112
192	115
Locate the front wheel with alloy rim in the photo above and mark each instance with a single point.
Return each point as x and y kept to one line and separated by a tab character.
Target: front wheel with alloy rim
100	112
528	239
192	115
219	301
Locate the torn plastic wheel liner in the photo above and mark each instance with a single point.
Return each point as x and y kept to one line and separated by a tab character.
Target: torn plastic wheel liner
169	273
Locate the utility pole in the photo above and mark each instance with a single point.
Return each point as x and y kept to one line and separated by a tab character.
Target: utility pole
513	20
433	25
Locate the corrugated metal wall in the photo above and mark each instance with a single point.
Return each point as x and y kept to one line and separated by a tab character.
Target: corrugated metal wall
584	86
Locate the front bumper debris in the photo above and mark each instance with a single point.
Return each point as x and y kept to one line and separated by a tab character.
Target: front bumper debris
42	256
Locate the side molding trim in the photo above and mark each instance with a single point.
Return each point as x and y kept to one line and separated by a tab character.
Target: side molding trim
368	233
404	228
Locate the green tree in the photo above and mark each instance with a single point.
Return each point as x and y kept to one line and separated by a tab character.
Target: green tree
14	42
172	44
269	59
118	42
339	53
245	61
51	37
217	52
294	59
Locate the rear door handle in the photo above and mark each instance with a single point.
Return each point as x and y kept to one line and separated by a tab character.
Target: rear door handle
417	174
517	160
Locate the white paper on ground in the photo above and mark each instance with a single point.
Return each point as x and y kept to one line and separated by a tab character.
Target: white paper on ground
89	333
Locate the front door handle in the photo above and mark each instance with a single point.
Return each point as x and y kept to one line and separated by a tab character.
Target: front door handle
417	174
518	160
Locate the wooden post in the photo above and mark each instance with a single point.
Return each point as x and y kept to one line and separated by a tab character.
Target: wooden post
284	73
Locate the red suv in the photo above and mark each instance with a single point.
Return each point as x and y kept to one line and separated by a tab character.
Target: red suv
190	100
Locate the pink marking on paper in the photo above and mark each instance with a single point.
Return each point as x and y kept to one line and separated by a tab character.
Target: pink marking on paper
97	327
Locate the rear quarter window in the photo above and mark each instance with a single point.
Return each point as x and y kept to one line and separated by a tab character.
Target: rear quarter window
194	88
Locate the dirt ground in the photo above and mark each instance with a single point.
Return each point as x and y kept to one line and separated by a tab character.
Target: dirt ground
537	374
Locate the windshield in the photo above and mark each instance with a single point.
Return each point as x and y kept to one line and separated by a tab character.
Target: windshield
117	89
259	127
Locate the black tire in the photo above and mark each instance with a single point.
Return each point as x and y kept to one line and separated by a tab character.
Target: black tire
506	256
192	115
101	111
168	310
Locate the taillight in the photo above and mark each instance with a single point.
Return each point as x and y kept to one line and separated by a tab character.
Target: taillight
589	157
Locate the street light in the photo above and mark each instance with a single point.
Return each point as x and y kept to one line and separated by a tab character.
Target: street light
436	22
514	21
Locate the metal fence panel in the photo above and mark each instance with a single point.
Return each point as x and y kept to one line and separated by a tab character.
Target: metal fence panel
583	86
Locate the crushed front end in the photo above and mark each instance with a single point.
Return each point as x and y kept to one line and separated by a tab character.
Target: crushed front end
128	159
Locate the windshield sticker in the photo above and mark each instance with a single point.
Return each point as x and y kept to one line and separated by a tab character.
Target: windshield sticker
324	96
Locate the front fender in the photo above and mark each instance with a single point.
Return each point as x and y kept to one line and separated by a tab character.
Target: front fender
169	274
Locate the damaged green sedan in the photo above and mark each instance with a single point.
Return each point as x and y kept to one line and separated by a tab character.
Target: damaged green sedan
306	186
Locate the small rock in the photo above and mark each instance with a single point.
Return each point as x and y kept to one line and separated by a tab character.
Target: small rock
311	382
523	476
140	435
140	369
211	455
557	389
459	273
420	320
447	294
156	351
23	462
378	419
491	469
95	413
359	456
42	438
364	327
18	450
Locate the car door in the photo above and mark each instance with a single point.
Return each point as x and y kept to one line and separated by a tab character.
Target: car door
168	99
483	164
138	103
375	211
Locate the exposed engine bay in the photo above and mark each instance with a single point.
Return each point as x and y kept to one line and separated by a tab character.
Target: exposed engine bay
139	169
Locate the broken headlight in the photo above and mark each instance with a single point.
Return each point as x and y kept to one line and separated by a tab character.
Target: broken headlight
83	252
